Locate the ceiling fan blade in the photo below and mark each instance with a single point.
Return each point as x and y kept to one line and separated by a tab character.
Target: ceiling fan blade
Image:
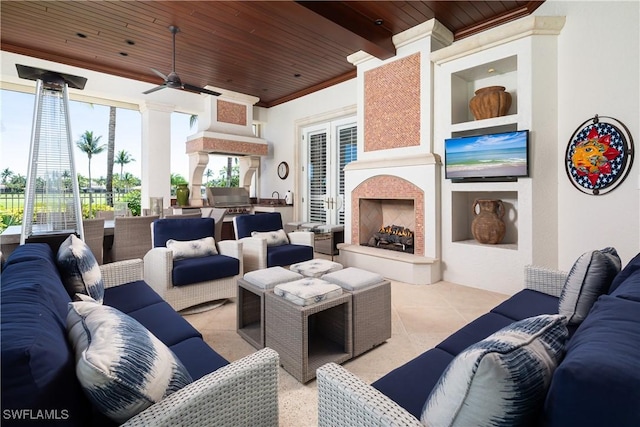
173	81
154	89
192	88
160	74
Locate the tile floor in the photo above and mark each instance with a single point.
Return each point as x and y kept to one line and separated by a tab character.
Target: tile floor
422	316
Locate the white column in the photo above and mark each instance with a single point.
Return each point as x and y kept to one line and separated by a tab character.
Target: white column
197	163
248	167
156	152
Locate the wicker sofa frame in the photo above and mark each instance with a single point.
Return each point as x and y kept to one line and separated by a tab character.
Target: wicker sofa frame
245	392
344	400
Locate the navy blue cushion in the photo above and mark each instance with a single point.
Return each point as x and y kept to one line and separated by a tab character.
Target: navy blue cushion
131	296
195	270
598	382
165	323
29	252
410	384
473	332
181	229
527	303
40	271
629	289
198	357
629	270
245	224
38	365
288	254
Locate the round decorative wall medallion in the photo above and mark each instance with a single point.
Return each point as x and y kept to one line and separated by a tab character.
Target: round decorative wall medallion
599	155
283	170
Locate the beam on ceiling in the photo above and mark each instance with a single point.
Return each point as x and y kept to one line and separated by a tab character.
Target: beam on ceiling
373	37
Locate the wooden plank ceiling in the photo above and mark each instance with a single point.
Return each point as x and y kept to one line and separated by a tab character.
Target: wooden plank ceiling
276	50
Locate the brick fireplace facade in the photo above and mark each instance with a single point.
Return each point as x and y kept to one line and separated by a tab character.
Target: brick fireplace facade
396	167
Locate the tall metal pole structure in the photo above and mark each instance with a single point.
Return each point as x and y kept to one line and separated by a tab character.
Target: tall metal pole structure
51	208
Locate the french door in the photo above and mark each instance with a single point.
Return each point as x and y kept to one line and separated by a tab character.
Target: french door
328	148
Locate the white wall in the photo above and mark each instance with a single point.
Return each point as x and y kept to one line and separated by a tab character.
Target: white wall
599	73
599	69
280	131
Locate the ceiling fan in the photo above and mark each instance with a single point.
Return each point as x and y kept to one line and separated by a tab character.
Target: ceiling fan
173	80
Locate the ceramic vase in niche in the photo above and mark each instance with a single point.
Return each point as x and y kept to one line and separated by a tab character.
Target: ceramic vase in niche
182	194
490	102
487	225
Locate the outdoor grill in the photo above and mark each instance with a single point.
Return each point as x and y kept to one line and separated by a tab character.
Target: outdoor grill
234	199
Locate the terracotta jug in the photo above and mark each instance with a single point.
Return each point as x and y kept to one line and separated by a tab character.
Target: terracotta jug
490	102
488	226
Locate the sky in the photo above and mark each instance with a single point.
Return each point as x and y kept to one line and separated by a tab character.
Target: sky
16	119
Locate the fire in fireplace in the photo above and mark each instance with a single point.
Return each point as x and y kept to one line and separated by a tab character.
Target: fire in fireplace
393	237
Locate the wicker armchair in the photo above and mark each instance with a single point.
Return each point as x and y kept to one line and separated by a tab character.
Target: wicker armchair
94	236
258	254
243	393
131	237
160	267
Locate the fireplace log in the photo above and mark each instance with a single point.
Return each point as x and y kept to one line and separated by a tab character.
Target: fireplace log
393	237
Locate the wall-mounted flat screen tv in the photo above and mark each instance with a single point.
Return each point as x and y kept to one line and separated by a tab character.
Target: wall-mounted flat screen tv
494	157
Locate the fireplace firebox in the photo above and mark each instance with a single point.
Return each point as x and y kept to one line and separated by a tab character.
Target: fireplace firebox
393	237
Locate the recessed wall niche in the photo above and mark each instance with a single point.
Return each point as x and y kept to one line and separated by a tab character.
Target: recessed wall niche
462	215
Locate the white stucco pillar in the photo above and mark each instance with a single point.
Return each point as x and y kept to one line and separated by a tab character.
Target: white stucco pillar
156	152
248	167
197	163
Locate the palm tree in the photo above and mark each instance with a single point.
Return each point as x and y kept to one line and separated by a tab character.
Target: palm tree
89	144
129	180
6	174
111	144
208	174
229	170
123	158
66	180
193	119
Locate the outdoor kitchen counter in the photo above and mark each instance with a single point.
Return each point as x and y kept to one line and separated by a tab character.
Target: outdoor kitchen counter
286	211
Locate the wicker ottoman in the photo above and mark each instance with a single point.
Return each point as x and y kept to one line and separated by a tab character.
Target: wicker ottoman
251	291
371	306
307	337
315	267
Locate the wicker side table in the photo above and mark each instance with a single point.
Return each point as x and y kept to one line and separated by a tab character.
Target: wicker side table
251	290
371	306
250	313
307	337
371	317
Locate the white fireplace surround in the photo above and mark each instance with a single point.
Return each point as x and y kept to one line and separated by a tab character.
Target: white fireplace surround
421	171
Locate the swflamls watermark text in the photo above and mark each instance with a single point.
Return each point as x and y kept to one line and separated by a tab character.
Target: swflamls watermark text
35	414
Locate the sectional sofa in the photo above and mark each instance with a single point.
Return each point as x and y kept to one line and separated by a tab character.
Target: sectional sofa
588	374
41	366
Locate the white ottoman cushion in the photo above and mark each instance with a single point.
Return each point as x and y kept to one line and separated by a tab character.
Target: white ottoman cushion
307	291
352	278
315	267
270	277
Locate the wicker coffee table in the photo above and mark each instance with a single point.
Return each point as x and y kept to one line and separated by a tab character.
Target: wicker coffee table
307	337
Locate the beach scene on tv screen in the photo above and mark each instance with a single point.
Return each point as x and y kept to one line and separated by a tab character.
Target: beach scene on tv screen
496	155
